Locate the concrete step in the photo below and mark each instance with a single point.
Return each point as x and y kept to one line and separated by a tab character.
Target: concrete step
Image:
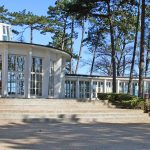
98	117
50	102
62	109
67	110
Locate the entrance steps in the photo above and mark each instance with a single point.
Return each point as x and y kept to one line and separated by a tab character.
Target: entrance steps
67	110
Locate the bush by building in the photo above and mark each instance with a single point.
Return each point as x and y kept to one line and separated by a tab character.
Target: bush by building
121	100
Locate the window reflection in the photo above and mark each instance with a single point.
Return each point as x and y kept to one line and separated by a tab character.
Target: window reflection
51	79
70	89
16	65
36	77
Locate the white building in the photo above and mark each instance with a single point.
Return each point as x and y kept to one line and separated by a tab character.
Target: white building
31	70
38	71
85	86
5	32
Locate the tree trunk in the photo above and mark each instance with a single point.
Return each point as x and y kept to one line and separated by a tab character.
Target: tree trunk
93	60
31	34
64	34
94	54
141	66
81	46
71	49
124	65
147	57
134	50
112	47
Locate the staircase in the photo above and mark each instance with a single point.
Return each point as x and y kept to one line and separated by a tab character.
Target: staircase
14	110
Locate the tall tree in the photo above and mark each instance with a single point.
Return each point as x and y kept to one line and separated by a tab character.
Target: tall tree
28	20
141	63
104	10
134	49
4	15
81	44
60	21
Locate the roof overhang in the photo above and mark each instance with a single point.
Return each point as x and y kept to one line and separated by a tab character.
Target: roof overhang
52	49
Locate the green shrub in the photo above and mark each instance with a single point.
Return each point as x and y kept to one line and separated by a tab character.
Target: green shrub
103	96
120	100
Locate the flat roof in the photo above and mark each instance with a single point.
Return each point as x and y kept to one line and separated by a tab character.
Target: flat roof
97	76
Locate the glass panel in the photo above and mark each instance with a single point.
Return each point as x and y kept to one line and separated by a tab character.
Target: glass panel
87	89
135	88
51	79
4	31
8	34
16	65
81	89
94	89
36	77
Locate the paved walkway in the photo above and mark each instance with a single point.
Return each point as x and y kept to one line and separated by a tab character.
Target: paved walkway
56	135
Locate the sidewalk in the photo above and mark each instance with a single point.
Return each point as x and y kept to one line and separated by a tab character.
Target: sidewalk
55	135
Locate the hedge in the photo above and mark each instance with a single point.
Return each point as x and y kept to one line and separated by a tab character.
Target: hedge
121	100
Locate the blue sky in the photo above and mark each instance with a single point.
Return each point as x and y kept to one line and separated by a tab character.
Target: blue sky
36	6
40	7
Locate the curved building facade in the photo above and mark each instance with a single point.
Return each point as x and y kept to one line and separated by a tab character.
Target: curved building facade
31	70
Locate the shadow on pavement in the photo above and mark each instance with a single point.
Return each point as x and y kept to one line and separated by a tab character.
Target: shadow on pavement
55	134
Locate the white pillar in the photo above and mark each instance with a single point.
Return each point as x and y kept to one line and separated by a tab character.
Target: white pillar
118	85
91	89
57	75
124	85
5	72
28	74
62	78
105	86
46	73
77	88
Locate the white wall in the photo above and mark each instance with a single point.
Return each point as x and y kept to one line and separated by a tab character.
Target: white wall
47	55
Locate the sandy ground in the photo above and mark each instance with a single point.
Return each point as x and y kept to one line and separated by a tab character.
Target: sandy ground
57	135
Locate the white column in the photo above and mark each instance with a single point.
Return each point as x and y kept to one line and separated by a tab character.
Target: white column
57	75
118	85
91	89
124	85
46	72
77	88
62	78
105	86
28	74
5	72
96	90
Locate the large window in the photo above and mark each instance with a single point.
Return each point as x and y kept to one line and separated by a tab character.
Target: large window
0	74
100	87
70	89
135	88
4	30
51	79
108	87
16	66
94	89
84	89
36	77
